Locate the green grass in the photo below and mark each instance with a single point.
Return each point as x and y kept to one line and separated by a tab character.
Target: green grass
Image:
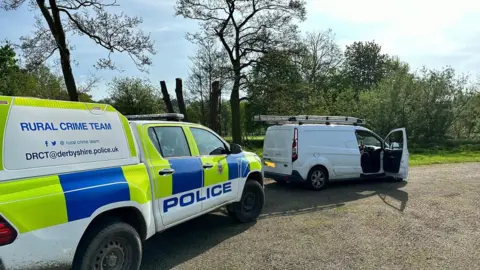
424	158
442	157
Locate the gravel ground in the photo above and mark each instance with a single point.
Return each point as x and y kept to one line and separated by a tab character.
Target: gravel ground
431	222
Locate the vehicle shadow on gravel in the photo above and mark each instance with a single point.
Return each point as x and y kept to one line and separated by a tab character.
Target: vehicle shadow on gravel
190	239
195	237
293	199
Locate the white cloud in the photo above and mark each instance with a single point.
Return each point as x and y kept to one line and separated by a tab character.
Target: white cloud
407	27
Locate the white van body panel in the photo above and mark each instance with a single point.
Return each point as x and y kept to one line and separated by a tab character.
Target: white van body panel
278	149
334	148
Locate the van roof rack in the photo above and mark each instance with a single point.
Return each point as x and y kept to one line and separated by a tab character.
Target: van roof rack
309	119
157	116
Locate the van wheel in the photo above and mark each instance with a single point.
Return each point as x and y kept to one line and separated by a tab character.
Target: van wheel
317	178
114	245
250	206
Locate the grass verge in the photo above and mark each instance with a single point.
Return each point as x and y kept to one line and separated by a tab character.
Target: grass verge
442	157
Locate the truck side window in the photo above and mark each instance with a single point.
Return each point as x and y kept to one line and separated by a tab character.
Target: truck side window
169	141
208	143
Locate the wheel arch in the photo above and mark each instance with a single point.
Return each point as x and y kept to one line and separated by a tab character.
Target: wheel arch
128	214
322	162
320	166
256	176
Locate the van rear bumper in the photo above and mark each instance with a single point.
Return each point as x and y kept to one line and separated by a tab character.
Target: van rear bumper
294	177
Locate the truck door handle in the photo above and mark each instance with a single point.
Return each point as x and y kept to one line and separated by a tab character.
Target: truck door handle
166	172
207	166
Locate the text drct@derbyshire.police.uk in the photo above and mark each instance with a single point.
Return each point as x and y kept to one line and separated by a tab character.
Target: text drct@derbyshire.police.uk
68	153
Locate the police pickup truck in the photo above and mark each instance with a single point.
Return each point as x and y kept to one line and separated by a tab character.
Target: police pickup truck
82	186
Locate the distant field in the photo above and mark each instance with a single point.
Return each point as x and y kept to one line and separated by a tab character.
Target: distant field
418	156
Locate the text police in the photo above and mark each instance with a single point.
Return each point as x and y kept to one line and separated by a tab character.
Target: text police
195	196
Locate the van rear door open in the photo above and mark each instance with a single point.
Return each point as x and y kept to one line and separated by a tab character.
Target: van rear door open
277	150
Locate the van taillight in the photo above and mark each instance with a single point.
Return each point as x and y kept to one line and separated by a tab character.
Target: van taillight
7	233
295	145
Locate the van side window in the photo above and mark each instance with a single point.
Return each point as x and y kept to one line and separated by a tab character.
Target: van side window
207	142
169	141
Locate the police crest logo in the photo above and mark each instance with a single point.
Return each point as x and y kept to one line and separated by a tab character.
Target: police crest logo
220	167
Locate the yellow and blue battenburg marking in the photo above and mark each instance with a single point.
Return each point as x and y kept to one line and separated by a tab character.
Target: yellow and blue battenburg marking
37	203
189	178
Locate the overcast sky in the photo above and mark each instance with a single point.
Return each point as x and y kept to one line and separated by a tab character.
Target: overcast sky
420	32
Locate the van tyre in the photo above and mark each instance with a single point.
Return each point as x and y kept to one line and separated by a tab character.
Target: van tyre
317	178
250	206
114	245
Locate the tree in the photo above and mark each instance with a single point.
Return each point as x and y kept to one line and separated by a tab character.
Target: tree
320	58
9	70
114	32
134	96
246	30
208	65
276	86
364	65
8	62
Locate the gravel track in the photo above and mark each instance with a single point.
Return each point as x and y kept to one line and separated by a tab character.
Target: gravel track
431	222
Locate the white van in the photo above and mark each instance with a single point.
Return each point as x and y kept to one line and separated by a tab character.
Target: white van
319	149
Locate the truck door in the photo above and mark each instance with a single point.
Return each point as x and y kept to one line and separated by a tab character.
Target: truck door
395	158
176	173
221	171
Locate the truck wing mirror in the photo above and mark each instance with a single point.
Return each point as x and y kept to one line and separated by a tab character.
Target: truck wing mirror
235	148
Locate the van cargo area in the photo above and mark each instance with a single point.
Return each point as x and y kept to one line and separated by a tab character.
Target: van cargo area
277	152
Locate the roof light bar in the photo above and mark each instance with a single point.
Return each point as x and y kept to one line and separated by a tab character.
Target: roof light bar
309	119
157	116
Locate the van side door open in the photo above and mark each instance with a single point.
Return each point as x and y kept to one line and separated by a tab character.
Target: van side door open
395	158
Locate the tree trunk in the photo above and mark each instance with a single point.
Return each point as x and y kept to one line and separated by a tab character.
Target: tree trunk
166	97
235	105
214	95
181	102
68	75
56	29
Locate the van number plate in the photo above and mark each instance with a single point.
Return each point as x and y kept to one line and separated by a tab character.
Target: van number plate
270	164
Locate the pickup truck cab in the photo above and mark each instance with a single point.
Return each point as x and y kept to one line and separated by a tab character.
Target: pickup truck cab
81	185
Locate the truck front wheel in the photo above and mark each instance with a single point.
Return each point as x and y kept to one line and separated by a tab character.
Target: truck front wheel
114	245
251	204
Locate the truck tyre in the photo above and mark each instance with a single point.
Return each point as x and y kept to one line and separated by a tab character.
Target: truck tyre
317	178
113	245
251	204
396	179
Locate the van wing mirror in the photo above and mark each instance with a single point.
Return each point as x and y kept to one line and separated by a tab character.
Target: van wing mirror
235	148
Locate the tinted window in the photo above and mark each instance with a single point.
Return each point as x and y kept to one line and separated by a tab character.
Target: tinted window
169	141
207	142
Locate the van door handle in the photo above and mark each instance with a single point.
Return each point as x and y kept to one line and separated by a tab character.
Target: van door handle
207	166
166	172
